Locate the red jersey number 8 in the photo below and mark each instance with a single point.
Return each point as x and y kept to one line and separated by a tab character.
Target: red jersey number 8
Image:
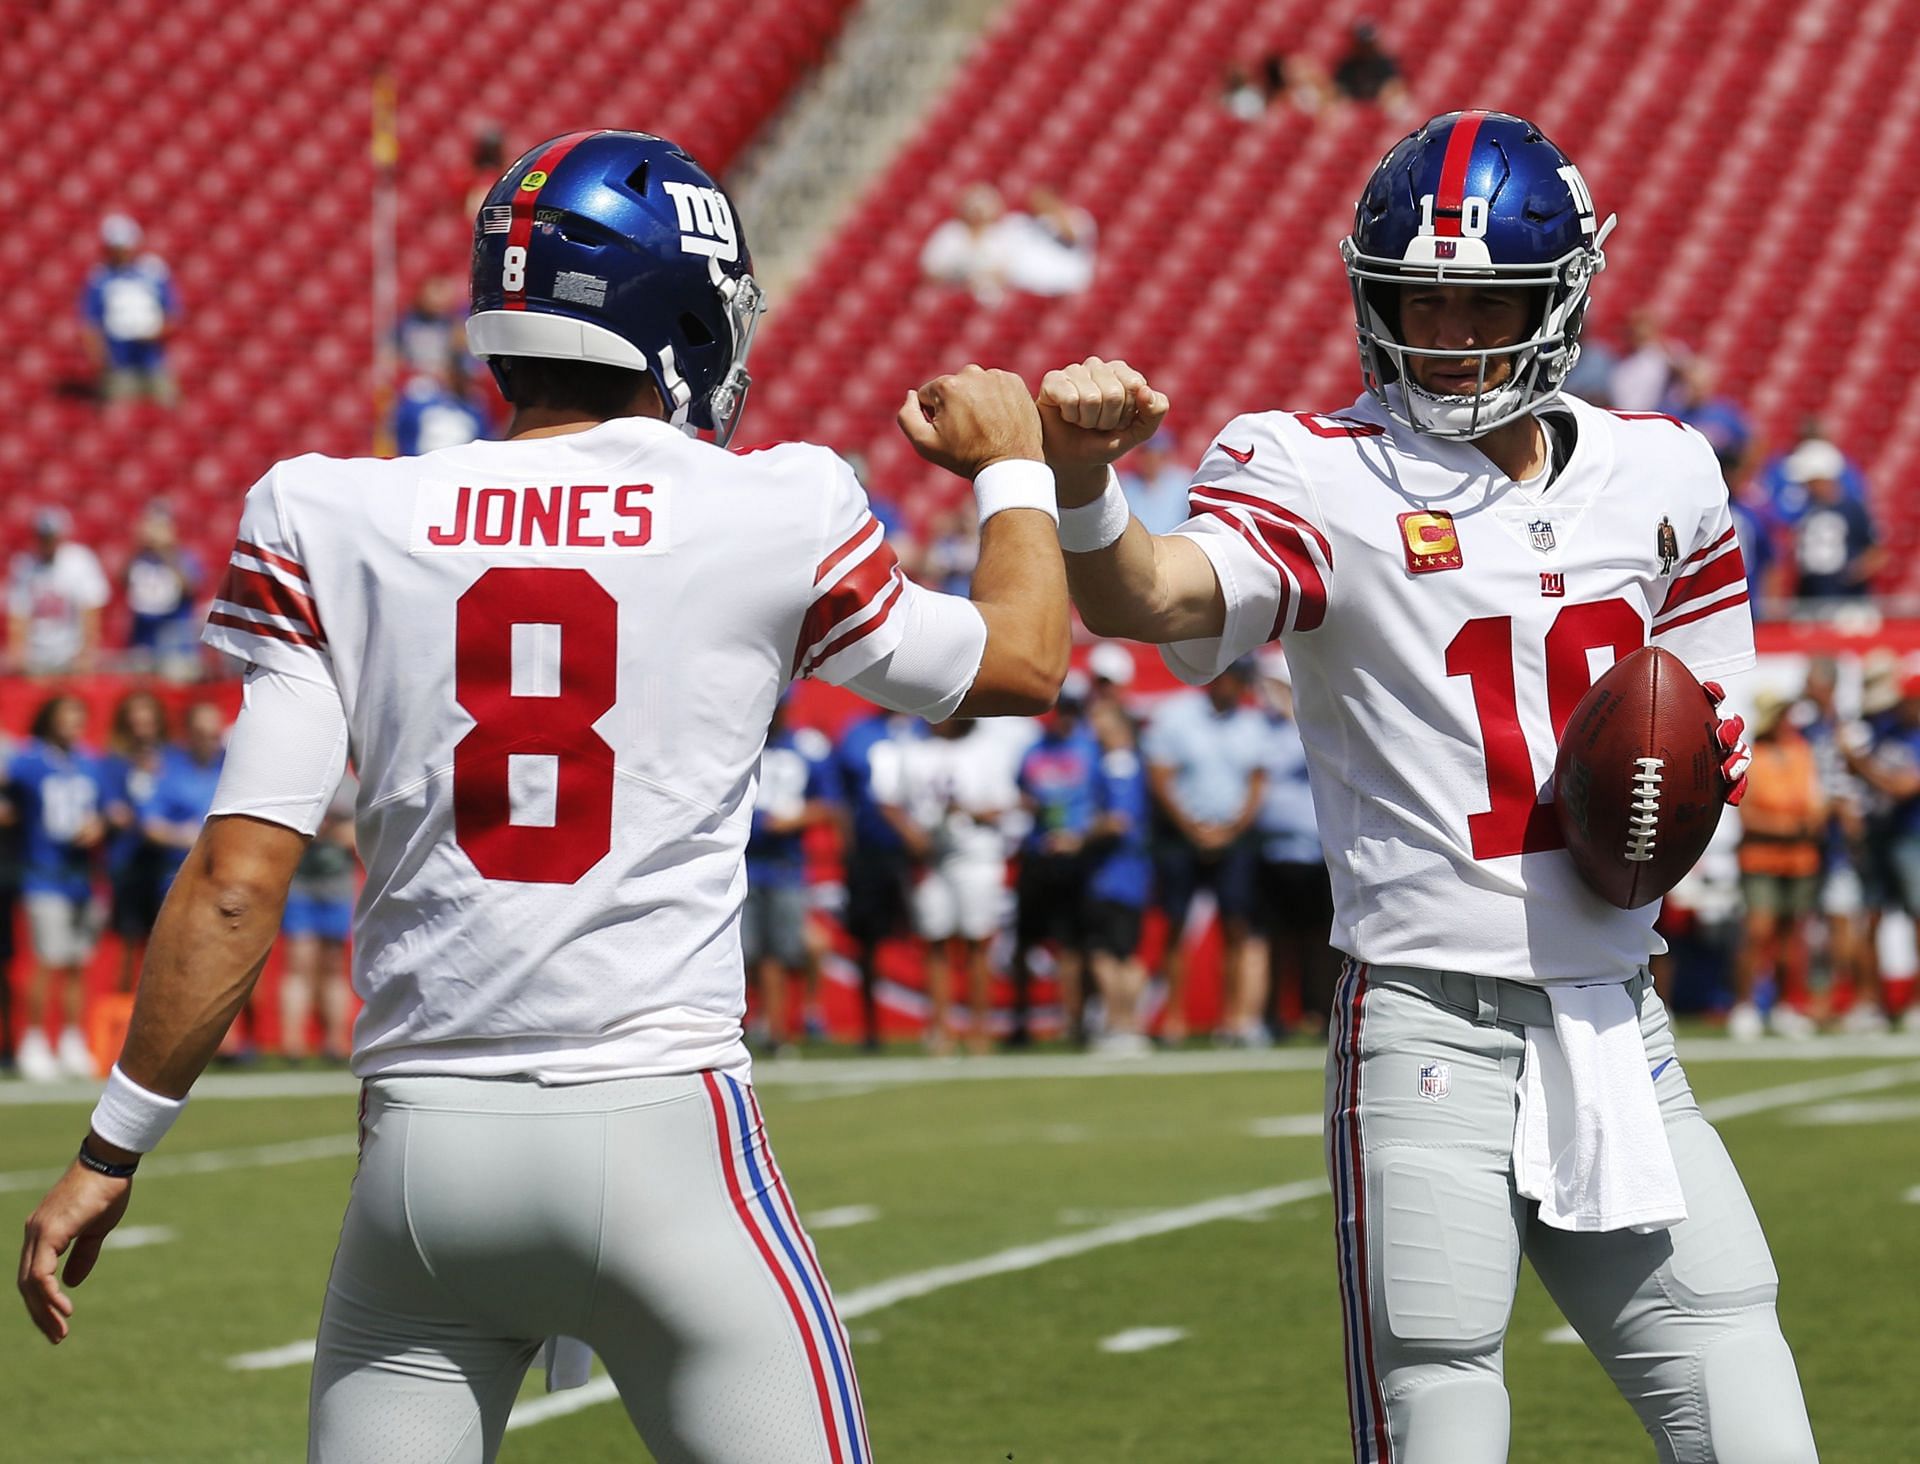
554	723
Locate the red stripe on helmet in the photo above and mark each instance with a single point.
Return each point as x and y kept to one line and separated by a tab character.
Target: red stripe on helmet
524	200
1453	173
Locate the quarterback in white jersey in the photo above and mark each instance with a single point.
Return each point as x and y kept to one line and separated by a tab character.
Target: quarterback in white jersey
553	661
1452	562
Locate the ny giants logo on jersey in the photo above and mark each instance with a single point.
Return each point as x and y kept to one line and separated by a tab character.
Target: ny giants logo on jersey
706	221
1431	541
575	518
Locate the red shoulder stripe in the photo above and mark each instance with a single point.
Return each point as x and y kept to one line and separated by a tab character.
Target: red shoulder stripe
1263	505
858	588
852	542
1730	568
273	632
1714	547
859	632
252	590
1701	614
267	556
1240	526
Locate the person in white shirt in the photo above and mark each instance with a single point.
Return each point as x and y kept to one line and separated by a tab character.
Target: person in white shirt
55	597
1452	561
947	794
553	660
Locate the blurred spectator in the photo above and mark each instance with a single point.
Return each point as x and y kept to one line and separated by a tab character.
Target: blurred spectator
1836	548
56	787
1240	96
1782	823
1052	247
946	795
55	598
1295	890
317	923
878	872
1890	767
969	248
1759	533
183	791
1206	767
1784	477
1111	666
485	164
1719	419
798	790
429	337
1119	880
162	584
1367	73
1842	904
1155	483
430	415
1592	376
953	548
1646	373
129	307
136	866
1056	782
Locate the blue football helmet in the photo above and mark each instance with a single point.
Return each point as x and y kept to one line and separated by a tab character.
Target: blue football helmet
617	248
1473	198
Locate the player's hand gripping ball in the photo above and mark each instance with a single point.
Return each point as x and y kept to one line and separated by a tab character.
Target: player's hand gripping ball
1642	775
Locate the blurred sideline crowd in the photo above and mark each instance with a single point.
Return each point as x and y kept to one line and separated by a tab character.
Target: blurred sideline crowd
1000	881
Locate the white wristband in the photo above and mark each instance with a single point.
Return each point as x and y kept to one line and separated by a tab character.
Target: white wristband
129	1117
1015	483
1095	525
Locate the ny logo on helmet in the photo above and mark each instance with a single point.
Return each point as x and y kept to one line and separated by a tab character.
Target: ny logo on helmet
706	221
1582	200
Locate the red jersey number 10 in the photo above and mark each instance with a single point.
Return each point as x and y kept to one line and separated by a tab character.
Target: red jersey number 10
1516	820
553	722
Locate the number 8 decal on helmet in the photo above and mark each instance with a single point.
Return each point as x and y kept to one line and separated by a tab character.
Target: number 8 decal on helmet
513	269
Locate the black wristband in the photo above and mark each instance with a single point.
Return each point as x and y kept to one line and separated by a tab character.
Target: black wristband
101	1166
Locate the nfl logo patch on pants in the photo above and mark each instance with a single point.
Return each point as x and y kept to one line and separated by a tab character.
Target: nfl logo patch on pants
1436	1080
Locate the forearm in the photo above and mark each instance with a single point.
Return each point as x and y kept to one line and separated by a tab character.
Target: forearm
209	944
1147	587
1020	589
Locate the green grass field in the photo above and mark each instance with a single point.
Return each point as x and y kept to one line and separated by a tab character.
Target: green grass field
992	1362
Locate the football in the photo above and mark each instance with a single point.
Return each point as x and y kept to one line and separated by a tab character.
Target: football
1637	785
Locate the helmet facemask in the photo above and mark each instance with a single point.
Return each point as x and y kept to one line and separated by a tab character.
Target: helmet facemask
1540	361
744	302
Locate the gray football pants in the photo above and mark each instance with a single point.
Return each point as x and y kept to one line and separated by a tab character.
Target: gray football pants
1423	1073
644	1216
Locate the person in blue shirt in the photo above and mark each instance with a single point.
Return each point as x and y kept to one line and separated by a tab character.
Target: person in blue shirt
1785	476
431	415
1295	890
1119	880
162	584
136	866
799	790
1835	543
184	789
878	873
1206	767
1056	779
56	788
129	308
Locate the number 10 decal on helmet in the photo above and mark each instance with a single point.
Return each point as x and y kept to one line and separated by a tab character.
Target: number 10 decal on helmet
1473	199
617	248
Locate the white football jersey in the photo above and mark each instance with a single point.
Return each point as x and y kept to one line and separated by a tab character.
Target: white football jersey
956	788
557	659
1442	622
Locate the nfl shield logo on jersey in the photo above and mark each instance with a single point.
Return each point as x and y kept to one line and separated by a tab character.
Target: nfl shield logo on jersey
1436	1080
1542	532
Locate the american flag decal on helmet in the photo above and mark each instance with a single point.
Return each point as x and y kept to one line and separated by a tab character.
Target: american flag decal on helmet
496	218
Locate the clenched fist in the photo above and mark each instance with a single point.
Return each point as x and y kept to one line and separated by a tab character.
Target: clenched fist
1093	413
972	420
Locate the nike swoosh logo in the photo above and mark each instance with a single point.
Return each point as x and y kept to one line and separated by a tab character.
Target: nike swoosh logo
1237	455
1663	1067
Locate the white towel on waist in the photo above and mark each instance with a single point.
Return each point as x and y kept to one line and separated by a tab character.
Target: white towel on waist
1589	1143
569	1363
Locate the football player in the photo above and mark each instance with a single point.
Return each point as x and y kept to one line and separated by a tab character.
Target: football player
553	660
1452	560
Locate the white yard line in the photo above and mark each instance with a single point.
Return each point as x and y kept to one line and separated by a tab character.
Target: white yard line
1881	1110
1561	1335
292	1355
843	1217
1818	1090
869	1299
206	1161
133	1237
1142	1339
1913	1195
1288	1126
